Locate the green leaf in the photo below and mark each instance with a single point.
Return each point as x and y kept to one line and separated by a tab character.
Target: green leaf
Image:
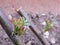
19	25
48	26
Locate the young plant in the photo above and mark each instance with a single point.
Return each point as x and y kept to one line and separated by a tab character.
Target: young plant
48	25
19	24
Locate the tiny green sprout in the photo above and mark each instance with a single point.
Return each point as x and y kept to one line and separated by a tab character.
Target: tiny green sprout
48	25
25	21
19	24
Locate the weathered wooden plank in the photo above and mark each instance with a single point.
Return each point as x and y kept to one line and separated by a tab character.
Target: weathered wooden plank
4	39
33	27
7	26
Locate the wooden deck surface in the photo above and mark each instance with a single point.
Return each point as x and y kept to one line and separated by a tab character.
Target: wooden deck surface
41	6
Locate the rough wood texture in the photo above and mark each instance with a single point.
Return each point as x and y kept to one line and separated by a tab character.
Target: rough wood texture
39	35
7	26
4	39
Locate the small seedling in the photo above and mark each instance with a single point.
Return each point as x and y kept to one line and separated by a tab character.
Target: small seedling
48	25
19	24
